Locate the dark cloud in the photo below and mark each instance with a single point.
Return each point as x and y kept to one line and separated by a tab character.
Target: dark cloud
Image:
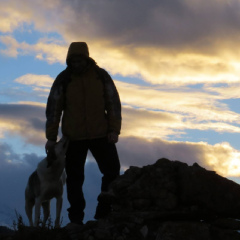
14	172
164	23
139	152
31	159
220	157
6	153
28	119
38	124
21	111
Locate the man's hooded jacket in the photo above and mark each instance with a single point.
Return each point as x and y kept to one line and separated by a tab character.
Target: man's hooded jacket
88	101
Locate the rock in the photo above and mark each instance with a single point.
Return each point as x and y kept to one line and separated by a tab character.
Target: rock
191	199
227	223
5	230
168	200
144	231
172	185
224	234
141	204
209	190
184	231
102	234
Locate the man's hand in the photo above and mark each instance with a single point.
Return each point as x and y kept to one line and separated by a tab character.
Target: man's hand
112	137
49	144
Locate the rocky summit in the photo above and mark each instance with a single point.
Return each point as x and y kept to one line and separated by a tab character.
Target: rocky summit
168	200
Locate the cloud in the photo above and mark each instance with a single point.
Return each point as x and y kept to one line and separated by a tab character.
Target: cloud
178	43
150	124
11	44
193	109
160	23
23	120
165	23
227	91
12	161
16	15
163	125
221	157
163	67
50	50
28	89
11	18
149	112
163	42
23	94
36	80
27	119
148	128
14	171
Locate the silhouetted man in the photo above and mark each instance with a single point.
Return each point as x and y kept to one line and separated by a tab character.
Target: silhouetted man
86	98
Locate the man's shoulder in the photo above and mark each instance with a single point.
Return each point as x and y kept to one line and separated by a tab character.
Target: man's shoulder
101	70
61	80
62	75
104	75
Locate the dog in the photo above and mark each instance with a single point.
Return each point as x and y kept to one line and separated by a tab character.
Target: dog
45	183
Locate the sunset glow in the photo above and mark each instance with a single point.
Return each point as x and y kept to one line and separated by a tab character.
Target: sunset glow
175	64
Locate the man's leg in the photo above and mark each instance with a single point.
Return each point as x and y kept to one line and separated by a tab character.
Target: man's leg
107	159
75	161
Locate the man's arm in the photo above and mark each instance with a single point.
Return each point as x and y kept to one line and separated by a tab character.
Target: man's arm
54	109
113	105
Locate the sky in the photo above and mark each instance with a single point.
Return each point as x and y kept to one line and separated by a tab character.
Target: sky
175	64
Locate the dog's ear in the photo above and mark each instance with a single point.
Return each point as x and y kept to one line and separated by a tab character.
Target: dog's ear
51	156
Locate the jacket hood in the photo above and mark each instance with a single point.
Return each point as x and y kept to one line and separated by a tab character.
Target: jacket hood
76	49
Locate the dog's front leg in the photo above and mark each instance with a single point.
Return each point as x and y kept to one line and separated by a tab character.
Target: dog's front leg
37	211
46	211
28	208
58	211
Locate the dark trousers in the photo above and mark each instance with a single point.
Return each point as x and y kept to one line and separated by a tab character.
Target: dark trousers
106	156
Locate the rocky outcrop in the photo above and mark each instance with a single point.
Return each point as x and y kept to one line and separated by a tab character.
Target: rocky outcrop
168	200
174	188
5	232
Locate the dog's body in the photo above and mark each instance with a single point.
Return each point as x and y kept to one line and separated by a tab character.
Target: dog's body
46	183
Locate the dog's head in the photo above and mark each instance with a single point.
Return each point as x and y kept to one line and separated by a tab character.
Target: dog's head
57	151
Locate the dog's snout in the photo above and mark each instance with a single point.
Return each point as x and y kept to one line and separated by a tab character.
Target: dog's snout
51	157
65	144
